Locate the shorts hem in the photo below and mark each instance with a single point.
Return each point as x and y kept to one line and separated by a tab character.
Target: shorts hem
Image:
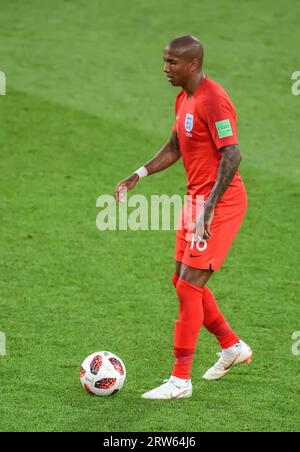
208	266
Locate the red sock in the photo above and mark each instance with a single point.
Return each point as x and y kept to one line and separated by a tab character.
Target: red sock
175	278
215	322
187	327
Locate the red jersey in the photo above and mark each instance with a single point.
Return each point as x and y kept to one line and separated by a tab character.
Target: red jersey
205	123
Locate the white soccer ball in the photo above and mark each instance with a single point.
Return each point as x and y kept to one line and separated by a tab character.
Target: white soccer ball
102	373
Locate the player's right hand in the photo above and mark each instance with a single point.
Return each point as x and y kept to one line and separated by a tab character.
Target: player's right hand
124	186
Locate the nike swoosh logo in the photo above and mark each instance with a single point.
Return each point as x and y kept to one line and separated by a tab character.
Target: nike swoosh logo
227	368
181	393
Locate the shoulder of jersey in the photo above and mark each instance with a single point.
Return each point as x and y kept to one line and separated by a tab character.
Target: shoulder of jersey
213	87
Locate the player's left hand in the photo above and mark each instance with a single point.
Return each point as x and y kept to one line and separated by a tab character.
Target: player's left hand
202	226
208	218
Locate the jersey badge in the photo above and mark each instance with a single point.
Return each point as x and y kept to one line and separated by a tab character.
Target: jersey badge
224	128
189	122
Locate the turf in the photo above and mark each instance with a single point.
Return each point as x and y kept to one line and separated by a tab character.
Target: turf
86	104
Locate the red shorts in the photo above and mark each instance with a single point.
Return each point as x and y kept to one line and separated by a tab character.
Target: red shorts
210	254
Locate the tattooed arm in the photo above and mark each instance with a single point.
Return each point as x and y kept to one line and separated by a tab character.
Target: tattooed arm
230	161
229	164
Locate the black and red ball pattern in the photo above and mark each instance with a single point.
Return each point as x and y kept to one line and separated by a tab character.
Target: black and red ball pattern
117	365
105	383
96	364
82	372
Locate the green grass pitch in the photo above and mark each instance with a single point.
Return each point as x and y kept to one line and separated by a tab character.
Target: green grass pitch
86	104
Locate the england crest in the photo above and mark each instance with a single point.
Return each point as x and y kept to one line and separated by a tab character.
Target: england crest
189	122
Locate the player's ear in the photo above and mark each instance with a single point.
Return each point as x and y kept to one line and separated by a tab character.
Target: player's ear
194	64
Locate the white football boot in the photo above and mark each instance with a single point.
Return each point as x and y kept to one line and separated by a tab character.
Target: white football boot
227	361
174	388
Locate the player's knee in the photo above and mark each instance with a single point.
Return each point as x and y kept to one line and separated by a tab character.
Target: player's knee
195	276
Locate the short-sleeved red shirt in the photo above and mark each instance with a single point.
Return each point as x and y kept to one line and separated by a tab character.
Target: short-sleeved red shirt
205	123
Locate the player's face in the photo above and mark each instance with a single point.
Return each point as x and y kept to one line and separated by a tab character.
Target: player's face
176	68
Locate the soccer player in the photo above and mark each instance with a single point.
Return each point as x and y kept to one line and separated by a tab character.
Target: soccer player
205	137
